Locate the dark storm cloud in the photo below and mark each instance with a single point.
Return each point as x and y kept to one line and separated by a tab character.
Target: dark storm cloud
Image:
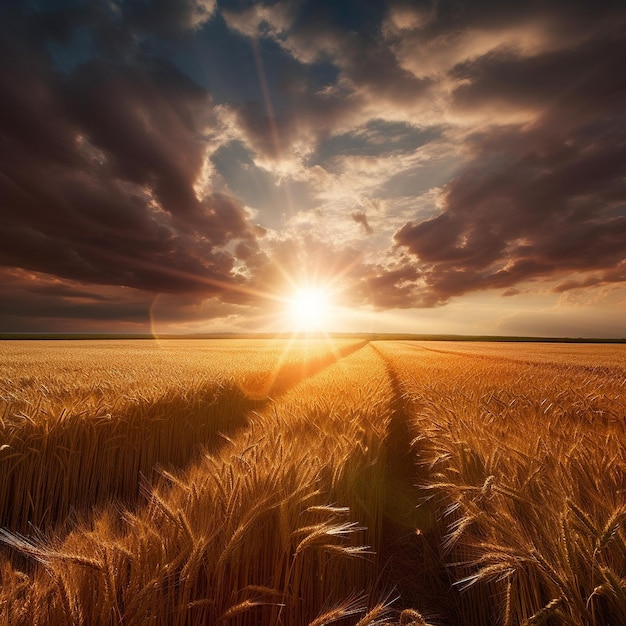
349	33
30	302
305	117
387	287
320	34
613	275
580	80
98	166
531	205
146	119
429	38
169	18
540	199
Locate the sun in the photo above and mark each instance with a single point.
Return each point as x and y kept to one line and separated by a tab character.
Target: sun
309	309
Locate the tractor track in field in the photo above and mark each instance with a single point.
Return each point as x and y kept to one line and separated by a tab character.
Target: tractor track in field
410	553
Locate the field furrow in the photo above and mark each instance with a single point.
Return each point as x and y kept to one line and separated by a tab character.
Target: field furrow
281	525
593	358
382	483
526	469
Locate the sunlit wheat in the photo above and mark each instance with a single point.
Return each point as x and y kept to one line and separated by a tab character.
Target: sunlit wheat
247	483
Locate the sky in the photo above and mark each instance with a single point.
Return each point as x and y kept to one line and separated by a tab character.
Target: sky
436	166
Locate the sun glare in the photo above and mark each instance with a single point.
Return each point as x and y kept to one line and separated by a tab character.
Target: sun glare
309	309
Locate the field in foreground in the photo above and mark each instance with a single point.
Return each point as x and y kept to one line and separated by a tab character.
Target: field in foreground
310	482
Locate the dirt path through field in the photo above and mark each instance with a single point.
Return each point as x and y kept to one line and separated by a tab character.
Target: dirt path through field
411	541
313	503
367	389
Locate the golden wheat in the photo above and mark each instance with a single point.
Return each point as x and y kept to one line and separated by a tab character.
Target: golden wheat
396	483
524	459
90	420
207	539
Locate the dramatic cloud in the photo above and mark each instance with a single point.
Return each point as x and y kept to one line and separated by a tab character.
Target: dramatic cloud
32	302
537	200
168	17
99	167
209	156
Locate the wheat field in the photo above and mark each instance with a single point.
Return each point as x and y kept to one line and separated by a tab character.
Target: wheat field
312	482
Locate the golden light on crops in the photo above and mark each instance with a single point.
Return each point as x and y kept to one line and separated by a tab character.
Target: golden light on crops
286	460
